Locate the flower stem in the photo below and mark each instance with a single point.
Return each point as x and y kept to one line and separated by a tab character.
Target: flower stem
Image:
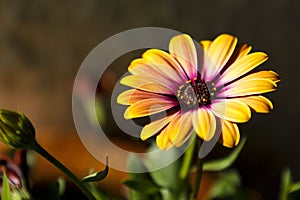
198	177
187	159
39	149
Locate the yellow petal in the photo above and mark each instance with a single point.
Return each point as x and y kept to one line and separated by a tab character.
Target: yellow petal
165	64
231	110
131	96
248	86
183	49
148	107
179	129
242	66
137	66
230	134
268	74
259	104
205	44
219	52
154	61
146	84
162	140
243	50
152	128
142	67
204	123
239	52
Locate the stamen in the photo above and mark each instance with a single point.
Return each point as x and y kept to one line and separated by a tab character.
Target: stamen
195	93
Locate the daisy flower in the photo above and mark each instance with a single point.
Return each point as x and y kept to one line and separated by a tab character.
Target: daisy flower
197	91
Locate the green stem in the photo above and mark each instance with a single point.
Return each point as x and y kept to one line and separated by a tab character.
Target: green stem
187	159
198	177
39	149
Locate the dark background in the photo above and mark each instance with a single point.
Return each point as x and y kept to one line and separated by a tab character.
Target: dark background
42	44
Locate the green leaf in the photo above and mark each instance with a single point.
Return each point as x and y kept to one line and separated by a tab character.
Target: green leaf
144	187
167	177
223	163
98	193
6	195
289	190
226	185
134	195
294	187
167	194
286	180
134	164
98	176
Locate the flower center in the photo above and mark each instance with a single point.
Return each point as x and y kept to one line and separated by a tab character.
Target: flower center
194	94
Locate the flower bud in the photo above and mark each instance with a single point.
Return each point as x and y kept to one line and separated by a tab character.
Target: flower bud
12	171
16	130
14	177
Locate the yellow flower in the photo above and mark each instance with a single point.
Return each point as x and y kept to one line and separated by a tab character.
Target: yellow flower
197	91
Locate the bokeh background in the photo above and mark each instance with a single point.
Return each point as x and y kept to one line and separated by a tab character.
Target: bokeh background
43	43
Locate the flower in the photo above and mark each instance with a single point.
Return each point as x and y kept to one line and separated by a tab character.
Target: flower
14	176
198	91
16	130
12	171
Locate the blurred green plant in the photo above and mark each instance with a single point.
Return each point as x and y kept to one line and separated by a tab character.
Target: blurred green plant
167	183
228	187
289	190
223	163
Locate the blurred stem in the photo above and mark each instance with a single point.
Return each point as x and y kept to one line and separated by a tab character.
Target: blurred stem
197	182
39	149
187	159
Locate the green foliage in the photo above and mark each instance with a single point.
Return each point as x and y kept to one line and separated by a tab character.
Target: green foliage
223	163
167	184
161	184
228	186
289	190
166	177
6	194
98	193
144	187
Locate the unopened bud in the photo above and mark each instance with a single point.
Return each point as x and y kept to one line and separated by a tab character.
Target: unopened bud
14	177
16	130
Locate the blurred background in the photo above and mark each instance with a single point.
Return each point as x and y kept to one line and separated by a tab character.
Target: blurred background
43	43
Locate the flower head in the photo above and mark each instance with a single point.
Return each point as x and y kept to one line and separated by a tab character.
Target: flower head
16	130
197	91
